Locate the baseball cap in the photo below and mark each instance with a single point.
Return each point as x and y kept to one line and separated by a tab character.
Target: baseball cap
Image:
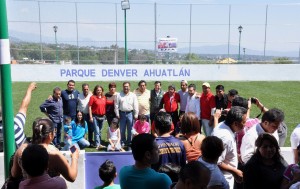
184	81
206	84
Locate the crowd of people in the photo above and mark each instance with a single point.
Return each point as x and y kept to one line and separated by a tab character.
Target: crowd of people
164	133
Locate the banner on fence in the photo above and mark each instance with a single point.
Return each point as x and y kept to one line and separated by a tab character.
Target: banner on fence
167	44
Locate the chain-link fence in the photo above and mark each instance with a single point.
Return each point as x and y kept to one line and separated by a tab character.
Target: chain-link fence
94	32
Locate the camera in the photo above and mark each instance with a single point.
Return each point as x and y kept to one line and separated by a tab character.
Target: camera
224	112
253	100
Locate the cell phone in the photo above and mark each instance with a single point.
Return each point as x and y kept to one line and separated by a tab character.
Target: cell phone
253	100
72	149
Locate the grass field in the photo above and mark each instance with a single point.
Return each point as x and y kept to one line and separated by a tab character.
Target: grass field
282	95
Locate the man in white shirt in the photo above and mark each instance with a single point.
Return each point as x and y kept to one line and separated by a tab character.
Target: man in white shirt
193	101
295	141
228	161
126	109
270	122
82	106
183	93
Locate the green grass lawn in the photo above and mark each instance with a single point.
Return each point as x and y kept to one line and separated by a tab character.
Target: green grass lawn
282	95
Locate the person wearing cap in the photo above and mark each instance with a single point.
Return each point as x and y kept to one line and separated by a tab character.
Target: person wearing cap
126	109
156	96
170	103
183	93
207	105
143	97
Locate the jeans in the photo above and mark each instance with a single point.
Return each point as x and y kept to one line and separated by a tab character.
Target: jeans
175	117
57	134
109	117
68	144
126	121
90	127
207	129
82	143
97	130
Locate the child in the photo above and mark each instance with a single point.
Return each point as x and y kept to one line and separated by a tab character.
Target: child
107	173
67	133
114	136
140	126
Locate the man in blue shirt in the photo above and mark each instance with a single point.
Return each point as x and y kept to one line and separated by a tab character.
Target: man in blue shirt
171	149
70	100
53	108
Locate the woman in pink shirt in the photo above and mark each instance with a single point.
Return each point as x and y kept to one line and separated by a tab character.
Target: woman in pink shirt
140	126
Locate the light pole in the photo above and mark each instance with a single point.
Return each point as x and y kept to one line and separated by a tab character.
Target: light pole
240	28
56	52
125	6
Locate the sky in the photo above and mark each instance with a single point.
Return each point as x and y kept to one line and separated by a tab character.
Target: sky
204	23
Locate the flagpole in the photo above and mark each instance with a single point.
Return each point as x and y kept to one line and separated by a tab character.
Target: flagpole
6	90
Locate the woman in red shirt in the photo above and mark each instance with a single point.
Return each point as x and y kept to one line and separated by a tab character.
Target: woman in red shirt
97	110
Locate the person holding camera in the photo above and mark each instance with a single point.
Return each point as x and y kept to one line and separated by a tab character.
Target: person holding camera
228	161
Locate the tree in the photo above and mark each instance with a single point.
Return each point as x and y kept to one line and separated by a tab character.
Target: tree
282	60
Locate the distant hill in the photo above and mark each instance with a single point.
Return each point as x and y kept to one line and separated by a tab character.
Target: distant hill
17	37
223	49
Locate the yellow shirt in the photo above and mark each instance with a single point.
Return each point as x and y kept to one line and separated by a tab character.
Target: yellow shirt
143	101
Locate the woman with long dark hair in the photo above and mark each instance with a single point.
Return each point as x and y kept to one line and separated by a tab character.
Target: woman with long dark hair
265	168
43	134
79	131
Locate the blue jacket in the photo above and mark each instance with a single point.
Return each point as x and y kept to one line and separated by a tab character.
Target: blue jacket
54	108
